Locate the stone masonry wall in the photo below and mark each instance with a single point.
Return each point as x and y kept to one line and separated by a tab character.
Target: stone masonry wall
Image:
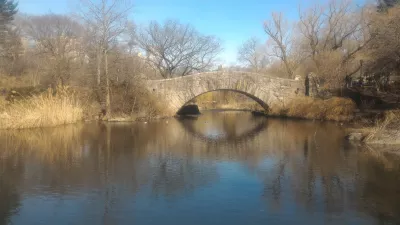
268	91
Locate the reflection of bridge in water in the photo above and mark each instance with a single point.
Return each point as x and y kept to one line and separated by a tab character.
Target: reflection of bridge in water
228	132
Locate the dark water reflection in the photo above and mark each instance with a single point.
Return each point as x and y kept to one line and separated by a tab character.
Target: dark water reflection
219	168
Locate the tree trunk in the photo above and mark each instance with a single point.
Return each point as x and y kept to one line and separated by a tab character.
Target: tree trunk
98	85
108	100
98	58
288	69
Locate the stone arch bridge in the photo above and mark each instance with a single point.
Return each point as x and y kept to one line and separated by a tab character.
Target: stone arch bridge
266	90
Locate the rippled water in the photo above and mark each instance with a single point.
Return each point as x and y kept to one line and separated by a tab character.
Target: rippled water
219	168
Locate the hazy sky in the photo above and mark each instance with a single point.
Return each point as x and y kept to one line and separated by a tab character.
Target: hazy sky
233	21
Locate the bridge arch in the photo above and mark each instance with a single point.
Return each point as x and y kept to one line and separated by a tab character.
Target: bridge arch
254	98
266	90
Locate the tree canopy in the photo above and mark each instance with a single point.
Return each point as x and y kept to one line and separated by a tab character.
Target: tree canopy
176	49
8	8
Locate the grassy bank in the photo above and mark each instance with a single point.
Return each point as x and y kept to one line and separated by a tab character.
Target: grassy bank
51	108
30	107
334	109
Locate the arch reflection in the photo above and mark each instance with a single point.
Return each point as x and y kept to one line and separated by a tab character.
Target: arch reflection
224	126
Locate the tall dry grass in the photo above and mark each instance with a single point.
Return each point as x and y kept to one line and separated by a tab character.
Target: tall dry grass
45	110
335	109
386	131
3	102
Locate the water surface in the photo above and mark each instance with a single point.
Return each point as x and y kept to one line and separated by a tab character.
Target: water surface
218	168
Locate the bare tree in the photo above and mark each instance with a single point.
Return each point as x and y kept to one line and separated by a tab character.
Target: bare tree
333	35
11	52
176	49
328	28
59	38
383	51
280	33
340	22
106	21
253	54
310	27
130	38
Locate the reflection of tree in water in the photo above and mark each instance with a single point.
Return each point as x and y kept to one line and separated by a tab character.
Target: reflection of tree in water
308	164
11	173
99	155
325	176
173	175
376	188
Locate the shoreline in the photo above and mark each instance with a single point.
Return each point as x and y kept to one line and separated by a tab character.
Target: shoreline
355	132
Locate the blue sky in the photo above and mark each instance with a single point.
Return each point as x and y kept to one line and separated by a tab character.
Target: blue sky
233	21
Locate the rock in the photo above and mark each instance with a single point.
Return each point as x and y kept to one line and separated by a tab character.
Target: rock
355	136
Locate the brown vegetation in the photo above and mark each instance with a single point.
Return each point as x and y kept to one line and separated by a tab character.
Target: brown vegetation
385	131
100	54
335	109
29	107
334	41
49	109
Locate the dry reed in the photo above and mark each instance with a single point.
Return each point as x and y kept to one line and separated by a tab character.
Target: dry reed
386	131
335	109
43	110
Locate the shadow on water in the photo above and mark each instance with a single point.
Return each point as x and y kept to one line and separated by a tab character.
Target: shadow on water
226	165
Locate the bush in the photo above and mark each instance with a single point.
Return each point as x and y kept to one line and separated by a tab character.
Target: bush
335	109
48	109
135	101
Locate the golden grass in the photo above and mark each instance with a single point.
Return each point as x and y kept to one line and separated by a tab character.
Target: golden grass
44	110
3	102
335	109
386	131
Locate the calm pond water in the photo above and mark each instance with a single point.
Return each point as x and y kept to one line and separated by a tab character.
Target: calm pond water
218	168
